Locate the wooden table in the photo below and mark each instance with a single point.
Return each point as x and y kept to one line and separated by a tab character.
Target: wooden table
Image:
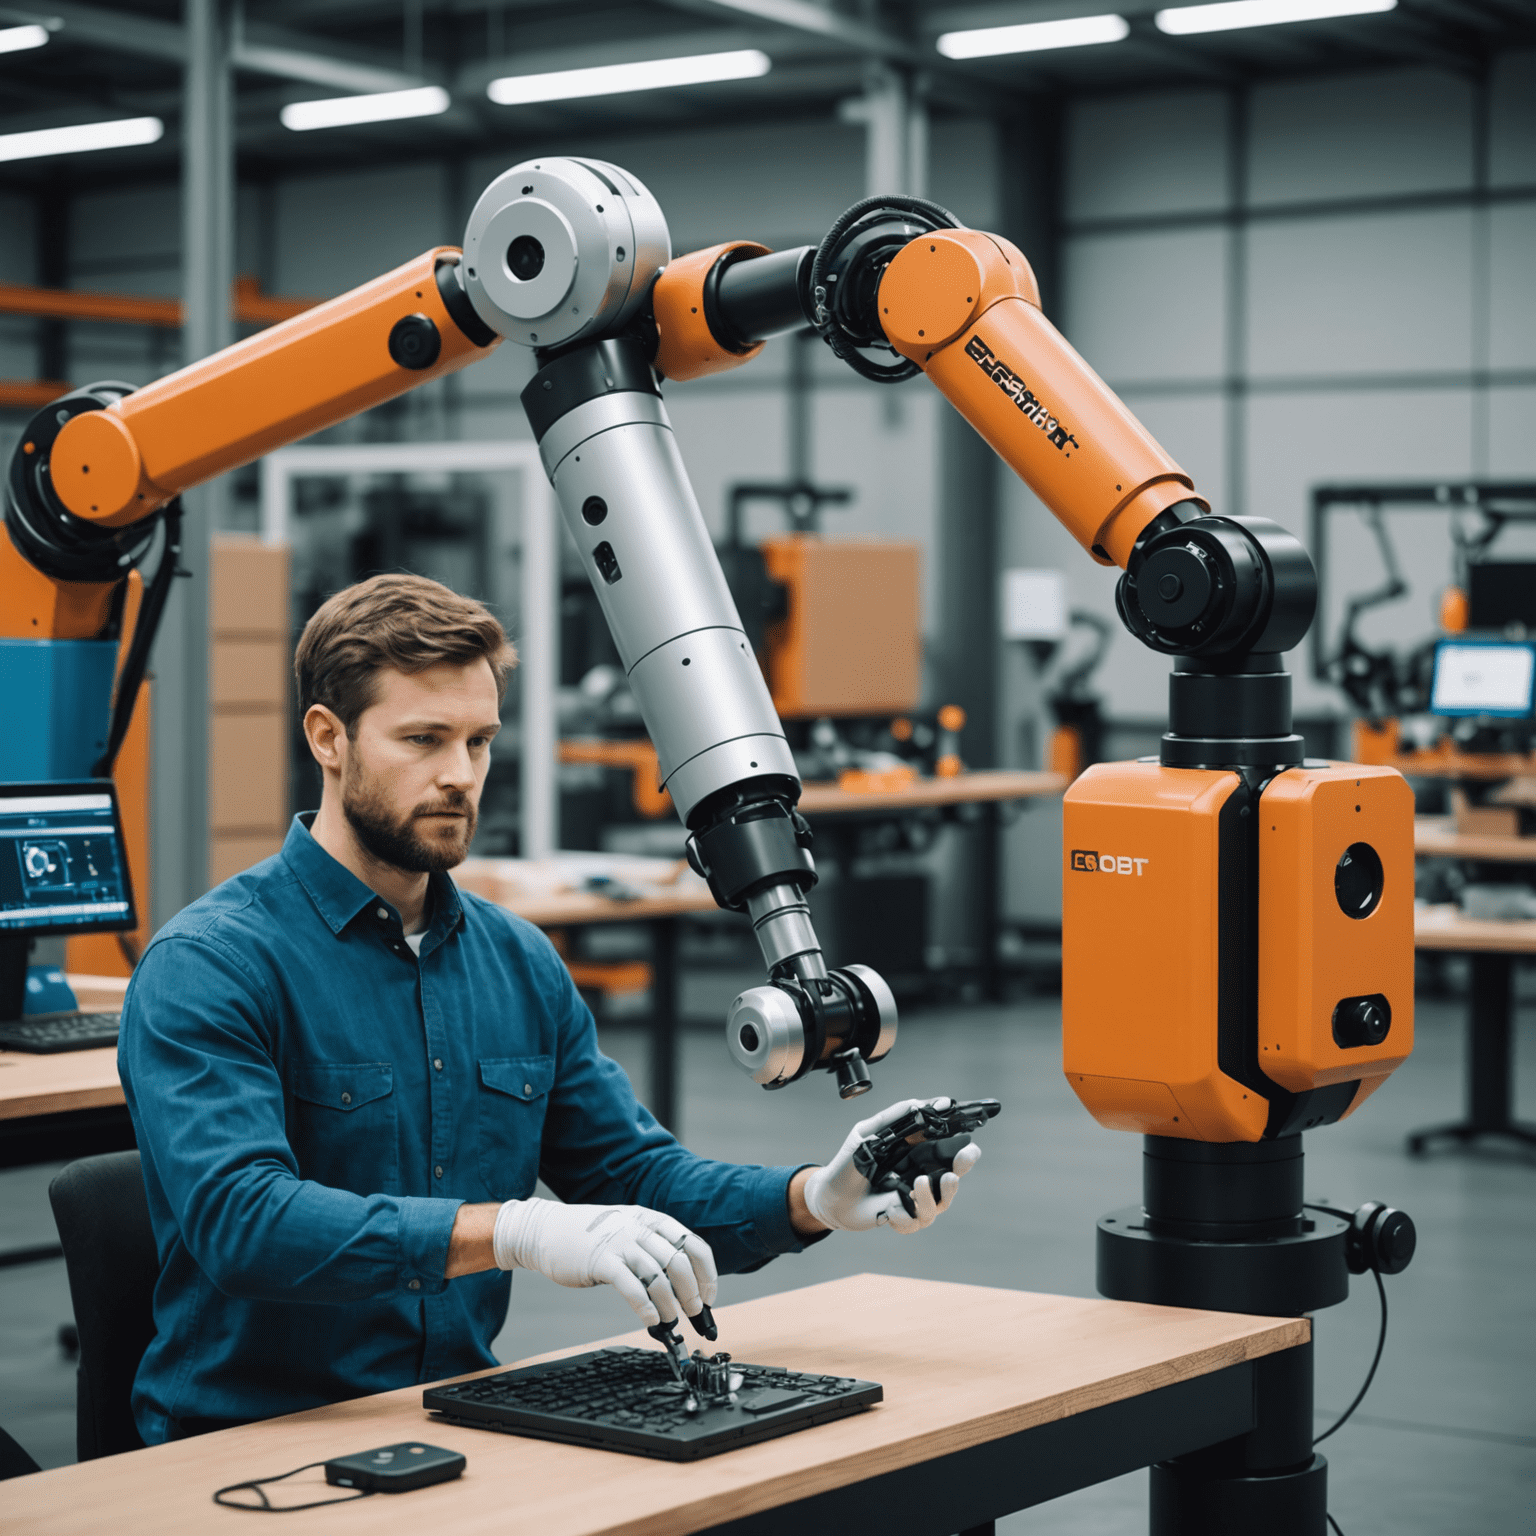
994	1401
983	794
70	1105
1436	837
1492	948
537	890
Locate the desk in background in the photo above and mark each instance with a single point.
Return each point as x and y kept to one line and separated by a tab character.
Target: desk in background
65	1106
1492	948
994	1401
548	893
982	794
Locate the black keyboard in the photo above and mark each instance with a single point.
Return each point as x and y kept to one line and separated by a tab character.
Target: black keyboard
46	1034
625	1399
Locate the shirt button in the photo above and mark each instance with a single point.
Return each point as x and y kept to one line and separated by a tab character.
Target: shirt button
346	1098
382	913
438	1170
528	1089
413	1285
437	1063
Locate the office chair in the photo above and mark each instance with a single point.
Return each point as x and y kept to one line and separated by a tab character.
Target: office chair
109	1252
14	1462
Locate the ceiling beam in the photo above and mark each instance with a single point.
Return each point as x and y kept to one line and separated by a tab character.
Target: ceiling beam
262	50
817	21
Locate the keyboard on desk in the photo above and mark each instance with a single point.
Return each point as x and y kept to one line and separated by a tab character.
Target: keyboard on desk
623	1399
46	1034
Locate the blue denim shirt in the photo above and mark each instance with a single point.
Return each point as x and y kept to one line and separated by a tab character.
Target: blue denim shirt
313	1104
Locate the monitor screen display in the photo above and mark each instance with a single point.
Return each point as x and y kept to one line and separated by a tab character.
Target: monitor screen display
1483	678
62	867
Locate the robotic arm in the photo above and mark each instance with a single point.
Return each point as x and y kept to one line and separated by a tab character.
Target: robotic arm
560	256
1237	921
1218	989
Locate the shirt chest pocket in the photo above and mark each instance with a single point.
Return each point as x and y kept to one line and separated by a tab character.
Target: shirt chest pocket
513	1095
342	1126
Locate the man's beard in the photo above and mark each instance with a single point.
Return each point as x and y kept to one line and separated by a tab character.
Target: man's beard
401	842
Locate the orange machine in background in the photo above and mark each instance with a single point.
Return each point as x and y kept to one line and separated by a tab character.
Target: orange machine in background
851	640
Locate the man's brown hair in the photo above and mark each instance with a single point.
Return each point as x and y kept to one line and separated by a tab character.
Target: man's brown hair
400	621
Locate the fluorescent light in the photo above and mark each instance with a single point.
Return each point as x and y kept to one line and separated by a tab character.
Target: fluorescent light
73	141
376	107
15	39
1033	37
1233	14
612	79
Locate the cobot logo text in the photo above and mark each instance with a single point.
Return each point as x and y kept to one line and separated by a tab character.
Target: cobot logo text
1107	863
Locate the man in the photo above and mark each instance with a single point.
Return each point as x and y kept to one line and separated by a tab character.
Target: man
345	1076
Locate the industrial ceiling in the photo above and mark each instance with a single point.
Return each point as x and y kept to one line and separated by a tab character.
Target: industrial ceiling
124	59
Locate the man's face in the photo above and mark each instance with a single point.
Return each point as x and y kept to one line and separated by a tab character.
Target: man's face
414	768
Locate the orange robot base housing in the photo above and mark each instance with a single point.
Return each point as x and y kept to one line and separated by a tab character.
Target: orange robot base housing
1237	961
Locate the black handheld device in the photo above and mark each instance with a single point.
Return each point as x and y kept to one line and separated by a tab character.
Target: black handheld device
925	1141
395	1468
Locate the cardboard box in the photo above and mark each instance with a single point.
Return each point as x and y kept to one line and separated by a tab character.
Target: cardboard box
248	588
243	673
248	772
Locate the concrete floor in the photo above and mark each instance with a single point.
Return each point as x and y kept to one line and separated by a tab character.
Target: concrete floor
1446	1441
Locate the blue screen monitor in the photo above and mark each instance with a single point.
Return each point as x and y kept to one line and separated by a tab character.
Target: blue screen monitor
1484	677
62	865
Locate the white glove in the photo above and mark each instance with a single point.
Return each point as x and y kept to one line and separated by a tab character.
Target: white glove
655	1263
840	1197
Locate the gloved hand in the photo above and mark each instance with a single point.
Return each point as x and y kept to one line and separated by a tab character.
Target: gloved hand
655	1263
840	1197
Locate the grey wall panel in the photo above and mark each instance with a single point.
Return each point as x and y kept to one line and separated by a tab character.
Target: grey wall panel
1512	432
127	241
1146	154
1147	306
335	232
1361	135
1512	292
1367	295
1296	441
1512	150
18	239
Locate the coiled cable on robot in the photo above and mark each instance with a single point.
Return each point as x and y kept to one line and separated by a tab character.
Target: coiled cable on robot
1381	1340
918	210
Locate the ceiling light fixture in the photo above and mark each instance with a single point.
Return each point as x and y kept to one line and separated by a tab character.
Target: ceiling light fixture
121	134
1233	14
1033	37
613	79
14	39
376	107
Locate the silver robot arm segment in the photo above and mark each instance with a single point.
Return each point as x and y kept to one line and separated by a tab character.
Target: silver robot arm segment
561	254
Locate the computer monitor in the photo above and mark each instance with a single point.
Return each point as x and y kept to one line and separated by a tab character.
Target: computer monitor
62	870
1484	677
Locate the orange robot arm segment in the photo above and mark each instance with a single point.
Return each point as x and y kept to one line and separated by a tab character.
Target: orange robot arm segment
689	347
964	306
117	465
